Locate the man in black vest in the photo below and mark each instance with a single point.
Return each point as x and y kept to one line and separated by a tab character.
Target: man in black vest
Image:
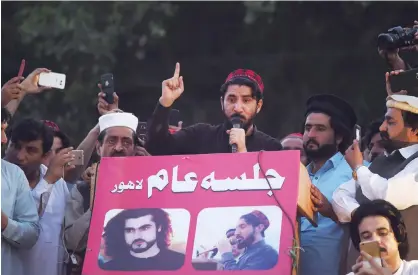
241	95
392	177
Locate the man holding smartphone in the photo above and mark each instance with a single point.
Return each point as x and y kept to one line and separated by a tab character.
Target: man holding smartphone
380	221
241	96
393	176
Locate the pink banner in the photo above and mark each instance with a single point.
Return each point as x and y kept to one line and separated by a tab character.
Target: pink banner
162	215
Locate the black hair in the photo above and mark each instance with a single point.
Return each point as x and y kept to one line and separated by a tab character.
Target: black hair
31	129
371	130
253	220
243	81
5	115
410	120
341	129
63	137
387	210
115	228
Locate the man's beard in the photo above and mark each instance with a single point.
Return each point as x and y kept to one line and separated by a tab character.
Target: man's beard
139	249
243	243
324	151
244	124
391	145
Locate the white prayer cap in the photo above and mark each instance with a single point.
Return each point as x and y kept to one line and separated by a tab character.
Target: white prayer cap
118	119
403	102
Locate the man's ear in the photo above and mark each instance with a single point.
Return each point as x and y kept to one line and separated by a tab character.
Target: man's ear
98	150
259	105
222	103
159	229
259	228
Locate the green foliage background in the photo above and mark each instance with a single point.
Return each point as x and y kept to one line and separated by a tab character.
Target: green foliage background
299	48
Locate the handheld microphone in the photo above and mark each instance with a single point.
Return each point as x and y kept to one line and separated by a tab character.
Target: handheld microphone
232	241
236	123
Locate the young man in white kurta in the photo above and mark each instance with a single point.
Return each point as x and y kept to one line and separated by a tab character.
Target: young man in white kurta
48	255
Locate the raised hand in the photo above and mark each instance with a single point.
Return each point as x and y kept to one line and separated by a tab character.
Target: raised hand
102	106
30	84
56	167
172	88
11	90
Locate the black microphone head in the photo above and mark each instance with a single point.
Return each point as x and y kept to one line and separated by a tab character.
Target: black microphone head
236	121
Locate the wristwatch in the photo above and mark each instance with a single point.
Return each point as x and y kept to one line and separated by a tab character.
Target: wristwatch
355	172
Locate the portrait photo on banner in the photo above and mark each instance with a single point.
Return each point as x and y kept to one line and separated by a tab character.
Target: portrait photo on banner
144	239
237	238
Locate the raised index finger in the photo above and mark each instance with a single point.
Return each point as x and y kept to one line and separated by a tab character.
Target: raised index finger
177	70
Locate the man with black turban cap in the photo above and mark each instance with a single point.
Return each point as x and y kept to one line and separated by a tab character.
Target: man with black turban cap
249	232
380	221
241	98
328	131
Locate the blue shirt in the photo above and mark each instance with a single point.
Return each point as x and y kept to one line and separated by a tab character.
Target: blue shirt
22	230
323	245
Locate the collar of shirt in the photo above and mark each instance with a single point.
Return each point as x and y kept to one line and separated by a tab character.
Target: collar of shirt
400	269
333	162
406	152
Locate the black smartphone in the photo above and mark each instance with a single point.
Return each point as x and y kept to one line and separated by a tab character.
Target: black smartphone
174	117
142	130
407	80
106	80
357	134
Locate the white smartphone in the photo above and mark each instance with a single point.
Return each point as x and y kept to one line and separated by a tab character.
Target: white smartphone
357	133
53	80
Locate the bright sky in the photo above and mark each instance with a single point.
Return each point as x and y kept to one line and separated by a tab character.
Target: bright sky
180	222
212	224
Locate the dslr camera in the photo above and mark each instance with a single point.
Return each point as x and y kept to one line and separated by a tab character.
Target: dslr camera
396	38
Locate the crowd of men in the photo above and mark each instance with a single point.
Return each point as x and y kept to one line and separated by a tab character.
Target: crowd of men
363	192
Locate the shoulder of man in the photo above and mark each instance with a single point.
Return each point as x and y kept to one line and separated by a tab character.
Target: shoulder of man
270	143
411	267
175	254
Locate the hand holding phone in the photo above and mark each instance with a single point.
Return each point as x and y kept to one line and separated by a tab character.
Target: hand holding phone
404	81
357	133
373	249
107	83
78	157
53	80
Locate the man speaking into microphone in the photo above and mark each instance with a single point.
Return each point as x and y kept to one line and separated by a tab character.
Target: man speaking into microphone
241	100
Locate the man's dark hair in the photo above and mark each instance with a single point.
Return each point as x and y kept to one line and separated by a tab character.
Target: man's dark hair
63	137
115	228
31	129
384	209
5	115
253	220
341	130
410	120
242	81
371	130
